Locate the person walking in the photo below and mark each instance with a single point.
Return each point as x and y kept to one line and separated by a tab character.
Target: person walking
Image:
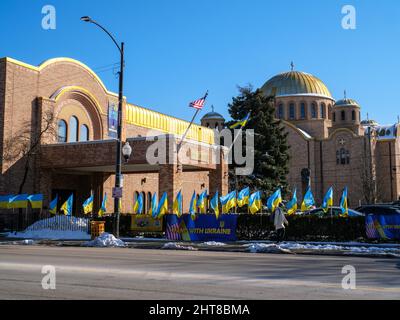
280	222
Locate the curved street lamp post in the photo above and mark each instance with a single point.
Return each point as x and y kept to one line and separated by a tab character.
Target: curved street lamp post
118	174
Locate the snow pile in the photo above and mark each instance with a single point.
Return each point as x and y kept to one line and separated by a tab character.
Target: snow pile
105	240
56	228
292	247
213	244
28	242
176	246
265	248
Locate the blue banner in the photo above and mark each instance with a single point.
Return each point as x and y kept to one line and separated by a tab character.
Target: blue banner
385	227
205	227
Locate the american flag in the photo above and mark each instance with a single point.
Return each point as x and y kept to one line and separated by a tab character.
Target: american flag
199	104
173	232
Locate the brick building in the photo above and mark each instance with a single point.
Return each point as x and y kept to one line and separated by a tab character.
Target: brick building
78	155
331	145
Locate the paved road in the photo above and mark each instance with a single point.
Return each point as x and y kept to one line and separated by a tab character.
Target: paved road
97	273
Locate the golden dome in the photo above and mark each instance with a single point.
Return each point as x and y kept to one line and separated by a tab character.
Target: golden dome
295	83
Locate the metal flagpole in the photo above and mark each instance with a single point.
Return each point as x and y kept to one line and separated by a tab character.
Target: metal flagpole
191	123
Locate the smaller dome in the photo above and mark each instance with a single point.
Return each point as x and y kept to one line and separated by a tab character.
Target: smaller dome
213	116
346	103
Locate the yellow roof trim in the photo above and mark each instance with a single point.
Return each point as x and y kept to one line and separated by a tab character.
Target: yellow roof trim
49	62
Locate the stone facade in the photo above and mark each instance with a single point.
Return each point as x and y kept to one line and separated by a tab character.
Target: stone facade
78	155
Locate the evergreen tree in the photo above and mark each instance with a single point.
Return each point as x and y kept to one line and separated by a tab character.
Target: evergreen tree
271	157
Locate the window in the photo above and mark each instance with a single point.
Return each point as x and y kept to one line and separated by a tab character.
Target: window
302	110
84	133
73	129
322	110
62	131
314	110
330	113
343	115
280	111
343	156
334	116
353	115
292	111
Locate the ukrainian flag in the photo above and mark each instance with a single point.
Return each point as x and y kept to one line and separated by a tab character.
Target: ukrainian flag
214	204
242	123
138	206
88	205
255	203
274	200
67	206
177	206
53	205
328	200
193	206
202	202
103	208
228	202
154	204
4	201
243	197
308	201
343	203
291	206
36	201
19	201
162	206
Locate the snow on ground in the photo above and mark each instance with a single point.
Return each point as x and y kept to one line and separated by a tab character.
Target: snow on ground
55	228
213	244
105	240
293	247
177	246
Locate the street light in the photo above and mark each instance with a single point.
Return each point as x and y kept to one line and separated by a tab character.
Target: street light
119	129
126	151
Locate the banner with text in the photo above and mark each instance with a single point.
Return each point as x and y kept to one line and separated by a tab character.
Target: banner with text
383	226
205	227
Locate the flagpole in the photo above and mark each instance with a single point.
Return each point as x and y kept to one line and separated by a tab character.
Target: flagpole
234	140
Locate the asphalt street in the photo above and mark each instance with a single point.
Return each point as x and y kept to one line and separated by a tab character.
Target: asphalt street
122	273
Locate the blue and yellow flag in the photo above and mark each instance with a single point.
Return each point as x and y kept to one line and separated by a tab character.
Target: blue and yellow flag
214	204
255	204
67	206
154	204
228	202
242	123
202	202
328	200
308	200
243	197
138	206
343	203
291	206
103	208
274	200
53	205
162	206
193	206
177	206
88	205
19	201
36	201
4	201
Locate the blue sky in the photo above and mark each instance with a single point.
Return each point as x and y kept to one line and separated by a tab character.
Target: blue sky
177	49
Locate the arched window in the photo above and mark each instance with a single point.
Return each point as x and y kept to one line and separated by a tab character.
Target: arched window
280	111
148	203
314	110
84	133
353	115
330	113
343	115
302	110
334	116
343	156
292	111
73	129
62	131
322	110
